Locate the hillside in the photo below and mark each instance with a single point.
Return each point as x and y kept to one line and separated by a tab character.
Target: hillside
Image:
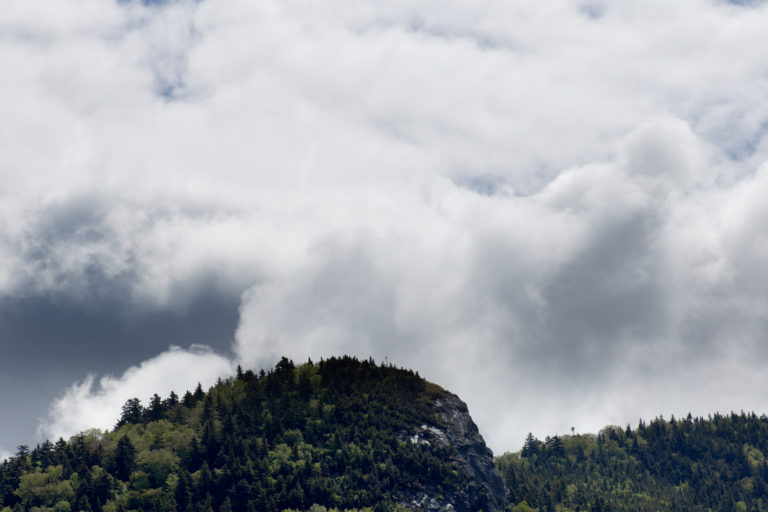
339	434
353	435
691	464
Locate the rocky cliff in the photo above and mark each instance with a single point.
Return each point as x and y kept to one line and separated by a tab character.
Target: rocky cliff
453	428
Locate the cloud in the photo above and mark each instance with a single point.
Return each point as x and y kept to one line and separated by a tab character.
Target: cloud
91	404
607	288
169	130
534	205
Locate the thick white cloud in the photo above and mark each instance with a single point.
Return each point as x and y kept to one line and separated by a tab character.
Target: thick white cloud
546	207
574	306
91	404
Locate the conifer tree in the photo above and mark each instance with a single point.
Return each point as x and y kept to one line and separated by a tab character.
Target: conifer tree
125	459
132	412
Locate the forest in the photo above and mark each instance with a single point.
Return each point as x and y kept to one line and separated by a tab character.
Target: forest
690	464
308	437
334	435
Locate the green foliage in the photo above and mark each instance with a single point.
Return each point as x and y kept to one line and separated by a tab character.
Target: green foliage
333	436
44	489
694	464
322	437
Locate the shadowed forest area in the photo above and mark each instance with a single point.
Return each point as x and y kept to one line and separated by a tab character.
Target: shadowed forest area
338	435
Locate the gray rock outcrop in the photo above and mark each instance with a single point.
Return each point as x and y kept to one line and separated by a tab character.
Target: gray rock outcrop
454	427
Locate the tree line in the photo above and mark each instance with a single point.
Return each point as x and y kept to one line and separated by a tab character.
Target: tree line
691	464
327	435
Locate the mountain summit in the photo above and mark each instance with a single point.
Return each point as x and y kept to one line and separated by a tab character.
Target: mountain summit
342	433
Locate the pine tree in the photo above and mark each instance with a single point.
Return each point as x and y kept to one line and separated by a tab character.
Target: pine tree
132	412
182	493
125	459
156	409
199	394
531	446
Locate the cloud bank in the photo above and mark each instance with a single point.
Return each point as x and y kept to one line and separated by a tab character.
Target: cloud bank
91	404
553	210
616	291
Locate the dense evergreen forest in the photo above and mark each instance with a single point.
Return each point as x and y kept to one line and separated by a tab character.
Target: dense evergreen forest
309	437
691	464
338	434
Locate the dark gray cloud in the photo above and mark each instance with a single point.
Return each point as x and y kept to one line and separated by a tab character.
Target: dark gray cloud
50	342
611	293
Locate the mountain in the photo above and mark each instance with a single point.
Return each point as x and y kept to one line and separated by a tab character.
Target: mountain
691	464
344	434
341	433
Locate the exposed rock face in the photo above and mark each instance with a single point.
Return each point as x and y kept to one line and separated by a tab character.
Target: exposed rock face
453	426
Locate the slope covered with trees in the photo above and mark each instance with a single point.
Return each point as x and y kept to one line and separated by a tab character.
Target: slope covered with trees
348	434
691	464
333	434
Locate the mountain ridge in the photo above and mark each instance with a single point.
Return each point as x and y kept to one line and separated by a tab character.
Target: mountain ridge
340	434
690	464
345	434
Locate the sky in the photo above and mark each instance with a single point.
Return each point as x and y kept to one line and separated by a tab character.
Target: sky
553	209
